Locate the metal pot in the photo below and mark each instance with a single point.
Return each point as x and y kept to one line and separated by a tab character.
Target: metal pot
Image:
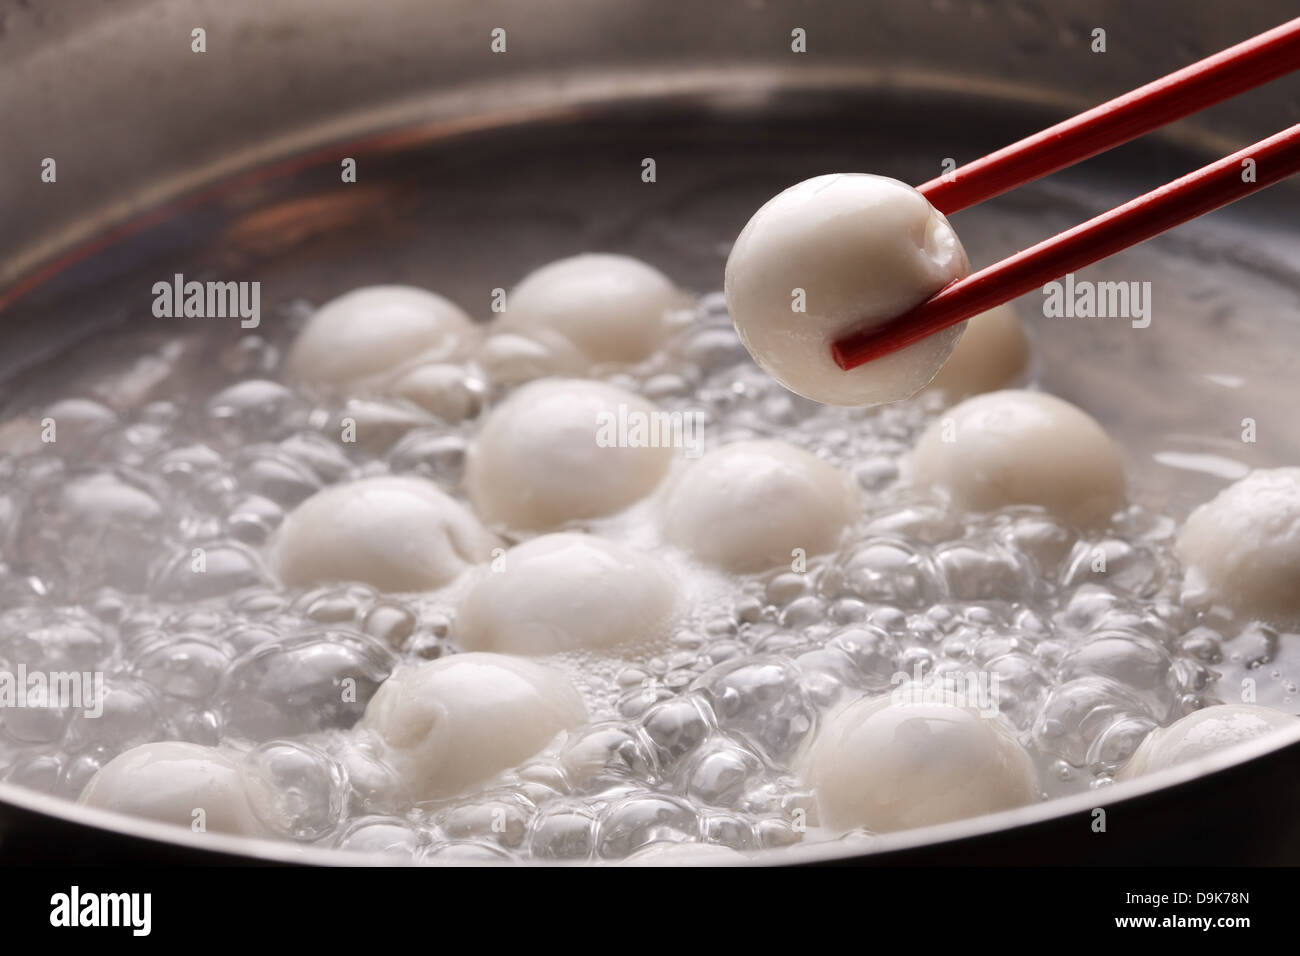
170	159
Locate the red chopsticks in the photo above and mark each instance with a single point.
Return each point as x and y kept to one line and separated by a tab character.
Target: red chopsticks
1209	81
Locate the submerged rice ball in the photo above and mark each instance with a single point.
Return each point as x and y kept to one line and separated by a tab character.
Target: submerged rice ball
1242	548
396	534
891	766
853	250
1022	448
992	352
453	722
545	456
748	505
1200	733
201	788
610	308
377	330
564	592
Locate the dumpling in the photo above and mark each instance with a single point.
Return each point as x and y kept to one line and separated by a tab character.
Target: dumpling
395	533
831	255
450	723
200	788
1242	548
747	506
888	765
543	459
1202	732
562	592
377	330
1022	448
610	308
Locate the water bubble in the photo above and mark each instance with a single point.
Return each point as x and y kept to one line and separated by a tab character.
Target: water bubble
676	726
96	529
128	716
251	409
53	641
431	453
502	818
1076	714
981	573
465	854
1139	664
382	835
605	755
640	820
195	574
313	681
82	428
1021	686
873	653
390	622
721	772
1120	564
889	572
563	832
273	475
253	518
189	669
451	392
295	789
761	700
1041	539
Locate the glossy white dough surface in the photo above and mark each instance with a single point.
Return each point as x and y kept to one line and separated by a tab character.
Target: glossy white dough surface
747	506
1242	548
394	533
992	353
892	766
1202	732
610	308
862	249
563	592
376	330
537	462
1022	448
199	788
449	723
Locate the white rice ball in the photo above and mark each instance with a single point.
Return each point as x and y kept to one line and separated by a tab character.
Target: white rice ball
1022	448
1242	548
377	330
394	533
543	458
992	352
854	250
1202	732
563	592
450	723
611	308
892	766
200	788
747	506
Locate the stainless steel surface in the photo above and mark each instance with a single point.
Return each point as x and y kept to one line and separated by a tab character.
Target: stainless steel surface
114	93
136	121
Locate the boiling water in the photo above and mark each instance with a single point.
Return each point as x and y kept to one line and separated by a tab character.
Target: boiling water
176	446
692	741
